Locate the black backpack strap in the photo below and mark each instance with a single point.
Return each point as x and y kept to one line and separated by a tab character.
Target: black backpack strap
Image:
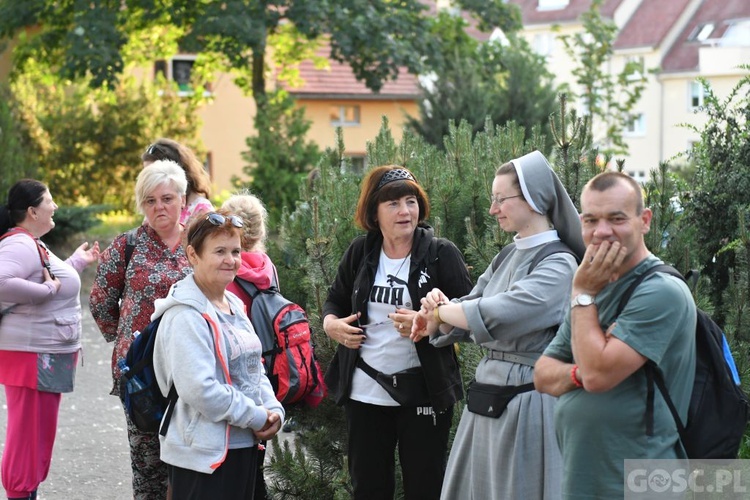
659	268
172	398
651	370
502	255
654	376
131	237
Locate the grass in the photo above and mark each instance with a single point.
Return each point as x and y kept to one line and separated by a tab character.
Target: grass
112	224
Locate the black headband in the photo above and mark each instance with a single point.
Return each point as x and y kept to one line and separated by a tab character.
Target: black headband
397	174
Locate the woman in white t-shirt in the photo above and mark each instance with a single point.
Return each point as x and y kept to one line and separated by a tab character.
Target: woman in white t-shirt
369	311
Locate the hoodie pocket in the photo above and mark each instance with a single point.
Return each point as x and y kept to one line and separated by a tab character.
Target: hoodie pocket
68	328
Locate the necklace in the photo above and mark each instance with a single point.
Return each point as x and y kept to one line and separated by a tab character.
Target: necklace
395	275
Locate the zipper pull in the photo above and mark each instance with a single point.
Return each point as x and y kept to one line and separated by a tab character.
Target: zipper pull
434	418
395	381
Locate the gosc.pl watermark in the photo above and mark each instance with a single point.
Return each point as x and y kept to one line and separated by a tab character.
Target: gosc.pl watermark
695	479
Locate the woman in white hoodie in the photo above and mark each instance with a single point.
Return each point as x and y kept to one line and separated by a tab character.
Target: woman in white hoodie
207	348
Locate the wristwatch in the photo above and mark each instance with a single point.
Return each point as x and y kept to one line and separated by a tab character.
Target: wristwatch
582	299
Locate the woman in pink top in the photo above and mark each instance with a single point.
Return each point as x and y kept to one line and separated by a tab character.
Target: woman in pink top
199	184
40	332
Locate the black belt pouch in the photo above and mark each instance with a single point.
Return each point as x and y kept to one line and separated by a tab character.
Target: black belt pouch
491	400
407	387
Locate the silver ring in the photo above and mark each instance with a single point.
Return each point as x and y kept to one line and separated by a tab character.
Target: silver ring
400	326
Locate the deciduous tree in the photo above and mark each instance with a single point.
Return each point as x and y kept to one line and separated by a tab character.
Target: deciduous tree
607	98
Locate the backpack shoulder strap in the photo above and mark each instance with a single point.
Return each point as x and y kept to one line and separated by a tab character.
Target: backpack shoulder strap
248	287
655	376
131	236
171	400
659	268
652	371
507	249
550	249
40	247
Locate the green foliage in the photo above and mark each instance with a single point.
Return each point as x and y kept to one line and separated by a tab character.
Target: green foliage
609	99
17	160
737	294
720	191
375	37
72	221
670	237
492	14
279	156
314	469
89	140
470	81
575	161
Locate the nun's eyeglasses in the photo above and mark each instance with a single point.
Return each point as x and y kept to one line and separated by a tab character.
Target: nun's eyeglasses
497	200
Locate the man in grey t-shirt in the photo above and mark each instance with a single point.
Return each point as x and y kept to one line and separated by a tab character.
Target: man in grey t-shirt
594	363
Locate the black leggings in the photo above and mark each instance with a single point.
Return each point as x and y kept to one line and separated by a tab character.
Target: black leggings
375	432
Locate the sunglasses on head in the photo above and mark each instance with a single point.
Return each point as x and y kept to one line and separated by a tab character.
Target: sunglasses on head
219	220
161	152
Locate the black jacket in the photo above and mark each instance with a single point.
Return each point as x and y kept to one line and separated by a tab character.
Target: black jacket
435	263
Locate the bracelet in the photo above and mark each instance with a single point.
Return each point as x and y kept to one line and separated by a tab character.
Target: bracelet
436	313
573	377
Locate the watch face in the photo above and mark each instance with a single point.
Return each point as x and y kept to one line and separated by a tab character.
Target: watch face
582	299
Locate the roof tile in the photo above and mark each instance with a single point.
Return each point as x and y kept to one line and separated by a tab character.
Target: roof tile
650	23
531	15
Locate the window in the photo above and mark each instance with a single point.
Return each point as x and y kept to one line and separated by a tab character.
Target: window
638	175
636	125
544	44
180	70
696	93
635	67
552	4
701	32
358	163
344	115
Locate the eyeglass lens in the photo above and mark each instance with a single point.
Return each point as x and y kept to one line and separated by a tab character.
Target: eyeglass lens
218	219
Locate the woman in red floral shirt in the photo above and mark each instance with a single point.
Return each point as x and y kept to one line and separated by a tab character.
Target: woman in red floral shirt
122	298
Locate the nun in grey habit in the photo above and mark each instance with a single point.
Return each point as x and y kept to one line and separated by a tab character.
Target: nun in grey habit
513	314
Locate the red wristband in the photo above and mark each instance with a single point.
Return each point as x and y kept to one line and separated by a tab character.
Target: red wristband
573	377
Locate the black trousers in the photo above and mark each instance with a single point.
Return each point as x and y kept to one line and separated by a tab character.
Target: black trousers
421	437
232	480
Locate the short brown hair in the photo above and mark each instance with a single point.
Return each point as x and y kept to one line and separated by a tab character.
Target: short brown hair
201	228
509	169
370	196
607	180
167	149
